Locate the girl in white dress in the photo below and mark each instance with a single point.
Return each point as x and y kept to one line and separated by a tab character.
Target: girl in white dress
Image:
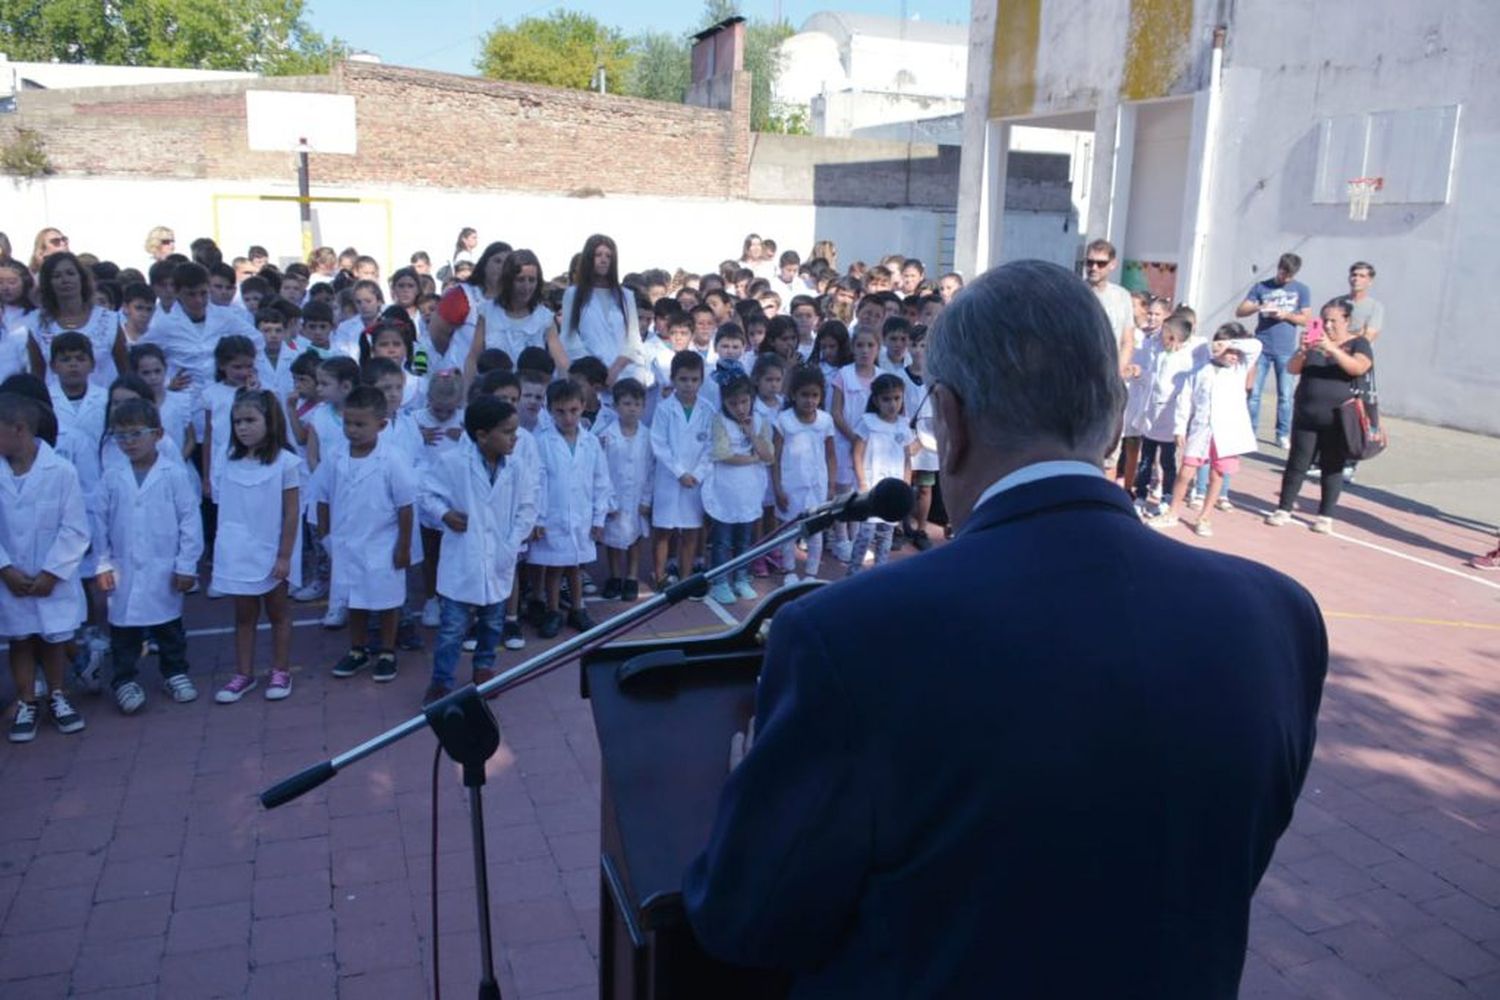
632	470
850	389
255	551
517	318
883	447
802	475
234	360
736	483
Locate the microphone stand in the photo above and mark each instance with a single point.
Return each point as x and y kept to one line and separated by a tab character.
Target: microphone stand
469	734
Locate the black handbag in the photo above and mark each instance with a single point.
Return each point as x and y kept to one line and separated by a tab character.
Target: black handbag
1360	417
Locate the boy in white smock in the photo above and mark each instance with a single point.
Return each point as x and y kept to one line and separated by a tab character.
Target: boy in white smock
680	442
632	471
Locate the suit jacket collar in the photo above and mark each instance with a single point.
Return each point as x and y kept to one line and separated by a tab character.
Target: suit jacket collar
1044	494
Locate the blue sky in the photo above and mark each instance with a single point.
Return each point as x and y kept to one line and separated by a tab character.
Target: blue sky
442	34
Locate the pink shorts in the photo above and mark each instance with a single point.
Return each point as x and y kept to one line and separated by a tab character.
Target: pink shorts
1223	466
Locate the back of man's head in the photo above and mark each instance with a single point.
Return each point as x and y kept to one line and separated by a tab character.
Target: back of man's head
1028	349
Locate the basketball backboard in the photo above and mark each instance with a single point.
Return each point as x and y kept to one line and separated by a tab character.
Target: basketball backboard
286	121
1412	151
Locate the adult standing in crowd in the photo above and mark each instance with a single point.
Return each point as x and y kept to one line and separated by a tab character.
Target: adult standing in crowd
896	828
1331	369
463	247
598	313
1098	264
450	328
65	293
160	242
48	242
1284	307
516	317
825	250
1368	318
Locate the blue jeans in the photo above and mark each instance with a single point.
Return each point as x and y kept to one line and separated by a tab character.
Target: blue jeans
871	534
1268	363
725	541
452	629
1200	484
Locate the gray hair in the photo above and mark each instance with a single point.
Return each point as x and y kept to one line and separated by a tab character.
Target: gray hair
1028	349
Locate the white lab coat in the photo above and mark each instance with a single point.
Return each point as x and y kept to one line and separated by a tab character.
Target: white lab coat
532	475
1164	409
249	536
577	499
405	436
101	327
143	533
505	333
364	496
734	493
1219	417
632	473
603	331
190	346
477	566
1136	388
682	445
15	336
44	526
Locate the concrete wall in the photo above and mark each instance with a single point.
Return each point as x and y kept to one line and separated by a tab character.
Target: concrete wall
852	171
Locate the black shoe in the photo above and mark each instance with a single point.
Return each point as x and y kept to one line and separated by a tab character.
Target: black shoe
510	635
551	625
407	636
385	666
535	612
630	590
672	569
921	542
64	715
434	692
612	589
353	662
579	618
23	724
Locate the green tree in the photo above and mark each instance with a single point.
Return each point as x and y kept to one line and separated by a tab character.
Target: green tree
265	36
662	67
562	49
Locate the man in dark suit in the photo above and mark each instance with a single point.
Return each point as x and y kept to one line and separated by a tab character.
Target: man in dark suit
1049	759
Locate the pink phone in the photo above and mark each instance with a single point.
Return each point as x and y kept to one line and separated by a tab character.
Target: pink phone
1314	333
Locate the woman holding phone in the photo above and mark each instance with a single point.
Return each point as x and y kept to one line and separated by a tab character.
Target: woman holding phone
1330	361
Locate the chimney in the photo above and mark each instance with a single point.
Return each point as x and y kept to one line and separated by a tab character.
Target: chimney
718	55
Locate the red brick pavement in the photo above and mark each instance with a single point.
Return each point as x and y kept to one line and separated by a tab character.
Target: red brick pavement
136	862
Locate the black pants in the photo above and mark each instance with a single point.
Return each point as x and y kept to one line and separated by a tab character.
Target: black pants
1333	452
125	648
1149	450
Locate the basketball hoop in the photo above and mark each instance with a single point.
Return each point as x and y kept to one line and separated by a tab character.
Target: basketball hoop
1361	190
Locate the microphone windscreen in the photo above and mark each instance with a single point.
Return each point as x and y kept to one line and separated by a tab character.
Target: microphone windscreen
891	500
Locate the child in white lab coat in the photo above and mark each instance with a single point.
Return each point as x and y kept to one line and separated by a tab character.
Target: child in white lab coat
680	441
148	536
530	478
1161	422
366	506
575	503
632	472
403	433
255	552
44	531
768	375
475	492
441	424
1218	428
736	483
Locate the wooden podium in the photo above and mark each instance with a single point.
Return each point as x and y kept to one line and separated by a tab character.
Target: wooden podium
665	711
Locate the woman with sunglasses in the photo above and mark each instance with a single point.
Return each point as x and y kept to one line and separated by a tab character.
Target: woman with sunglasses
48	242
160	242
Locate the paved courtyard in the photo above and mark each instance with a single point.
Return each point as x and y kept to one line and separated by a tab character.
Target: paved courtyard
135	860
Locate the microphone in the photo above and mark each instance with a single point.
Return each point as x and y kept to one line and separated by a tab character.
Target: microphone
889	500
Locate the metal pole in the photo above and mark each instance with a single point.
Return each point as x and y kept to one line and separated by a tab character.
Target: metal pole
489	987
304	201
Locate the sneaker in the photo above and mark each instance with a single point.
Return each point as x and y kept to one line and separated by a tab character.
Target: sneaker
1163	522
745	590
337	616
789	580
353	662
434	692
1195	500
579	619
23	724
612	588
471	639
432	613
630	591
510	635
721	592
1224	503
180	688
313	591
280	685
1284	442
1278	517
920	541
552	623
407	636
1322	525
1488	561
64	716
590	588
1203	529
385	666
239	685
130	696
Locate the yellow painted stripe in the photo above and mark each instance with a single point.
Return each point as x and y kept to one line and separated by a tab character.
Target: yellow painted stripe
1402	619
1018	33
1158	52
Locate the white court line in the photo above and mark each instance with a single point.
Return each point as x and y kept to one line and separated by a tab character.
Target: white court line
1262	511
721	611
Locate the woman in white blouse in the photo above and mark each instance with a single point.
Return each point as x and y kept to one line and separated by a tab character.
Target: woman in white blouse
598	314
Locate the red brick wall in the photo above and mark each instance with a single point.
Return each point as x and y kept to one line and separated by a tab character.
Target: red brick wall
415	127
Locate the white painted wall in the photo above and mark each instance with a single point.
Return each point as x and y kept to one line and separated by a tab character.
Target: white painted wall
1157	177
109	217
843	113
881	63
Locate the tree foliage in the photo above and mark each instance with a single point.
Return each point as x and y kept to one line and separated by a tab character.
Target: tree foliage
662	67
562	49
264	36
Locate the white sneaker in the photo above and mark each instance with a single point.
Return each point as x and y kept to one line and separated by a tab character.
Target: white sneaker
1278	517
1284	442
1322	525
1223	503
314	590
337	616
1163	522
432	613
1195	500
789	580
1203	529
130	697
180	688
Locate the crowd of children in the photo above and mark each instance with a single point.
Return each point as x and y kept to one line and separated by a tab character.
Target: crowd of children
455	459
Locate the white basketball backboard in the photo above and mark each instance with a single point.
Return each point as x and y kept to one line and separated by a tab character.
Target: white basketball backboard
1411	150
280	121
